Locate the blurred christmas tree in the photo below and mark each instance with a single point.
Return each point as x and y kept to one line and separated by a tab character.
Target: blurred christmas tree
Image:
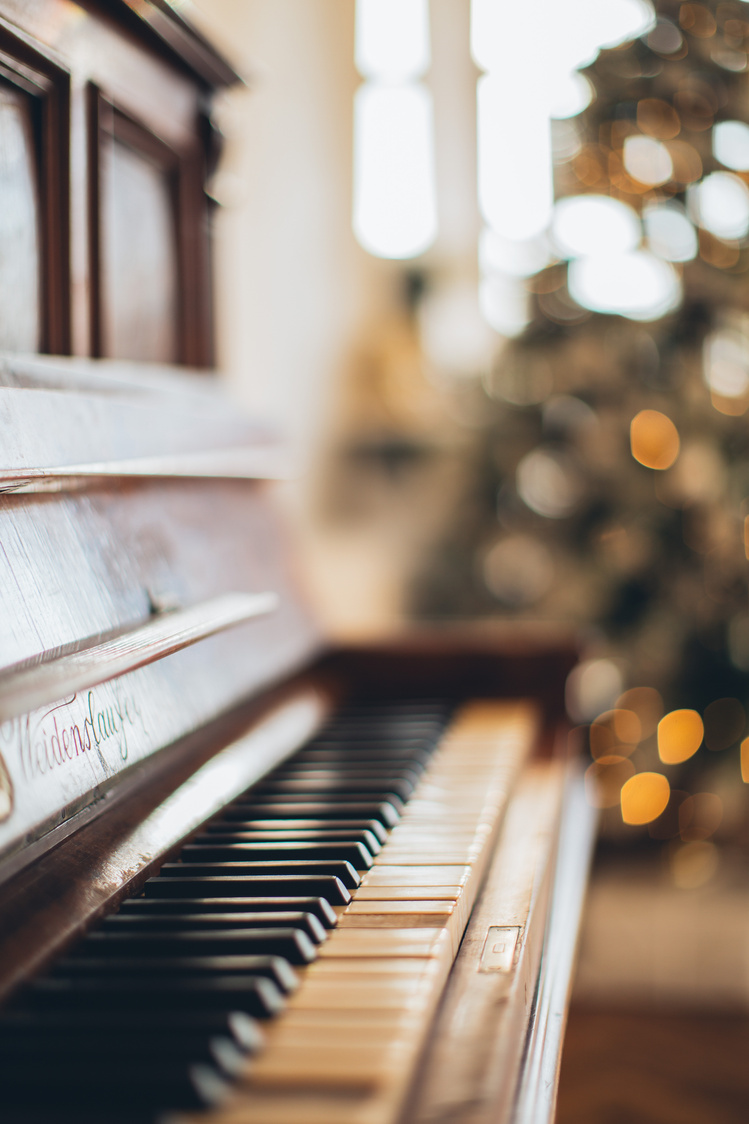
612	468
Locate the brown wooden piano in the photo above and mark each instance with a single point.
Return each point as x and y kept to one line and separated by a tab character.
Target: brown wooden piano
244	876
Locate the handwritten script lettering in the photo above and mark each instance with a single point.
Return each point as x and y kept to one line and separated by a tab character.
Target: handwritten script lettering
78	726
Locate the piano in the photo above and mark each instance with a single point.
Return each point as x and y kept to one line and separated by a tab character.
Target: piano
247	876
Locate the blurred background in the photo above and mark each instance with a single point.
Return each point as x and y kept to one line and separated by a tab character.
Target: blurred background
486	263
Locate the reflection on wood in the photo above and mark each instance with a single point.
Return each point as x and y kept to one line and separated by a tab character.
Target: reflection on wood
27	688
115	421
140	258
19	236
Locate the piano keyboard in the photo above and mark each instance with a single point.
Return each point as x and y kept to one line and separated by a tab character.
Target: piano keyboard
285	967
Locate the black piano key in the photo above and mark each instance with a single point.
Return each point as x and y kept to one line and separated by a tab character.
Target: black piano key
100	1051
255	996
246	886
374	788
222	833
317	907
220	851
415	758
314	868
274	968
318	809
348	764
75	1084
115	1026
373	742
291	944
306	923
372	827
400	782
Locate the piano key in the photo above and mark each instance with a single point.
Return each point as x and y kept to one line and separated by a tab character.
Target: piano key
130	1053
386	811
178	1086
357	772
186	1027
255	996
357	1023
128	923
220	851
414	915
317	907
305	788
311	868
291	944
416	875
397	994
365	968
274	968
291	825
355	757
221	833
396	943
309	1067
409	893
374	740
329	887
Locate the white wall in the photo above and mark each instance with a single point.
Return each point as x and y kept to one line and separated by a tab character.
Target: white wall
292	285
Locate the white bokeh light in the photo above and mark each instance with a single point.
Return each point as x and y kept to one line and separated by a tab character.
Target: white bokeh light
594	224
669	232
547	484
575	29
647	160
637	285
569	95
504	304
731	145
514	152
395	206
592	687
720	204
392	38
507	255
726	363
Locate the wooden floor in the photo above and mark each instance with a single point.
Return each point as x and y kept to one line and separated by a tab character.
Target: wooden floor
649	1068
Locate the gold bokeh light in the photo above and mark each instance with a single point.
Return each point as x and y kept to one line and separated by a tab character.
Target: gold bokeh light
654	439
745	761
680	735
643	797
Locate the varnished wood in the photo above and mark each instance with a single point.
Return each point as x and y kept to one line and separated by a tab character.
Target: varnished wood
121	420
145	62
46	81
28	688
46	906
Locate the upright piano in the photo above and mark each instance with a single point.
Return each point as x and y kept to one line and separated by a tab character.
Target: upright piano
245	875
